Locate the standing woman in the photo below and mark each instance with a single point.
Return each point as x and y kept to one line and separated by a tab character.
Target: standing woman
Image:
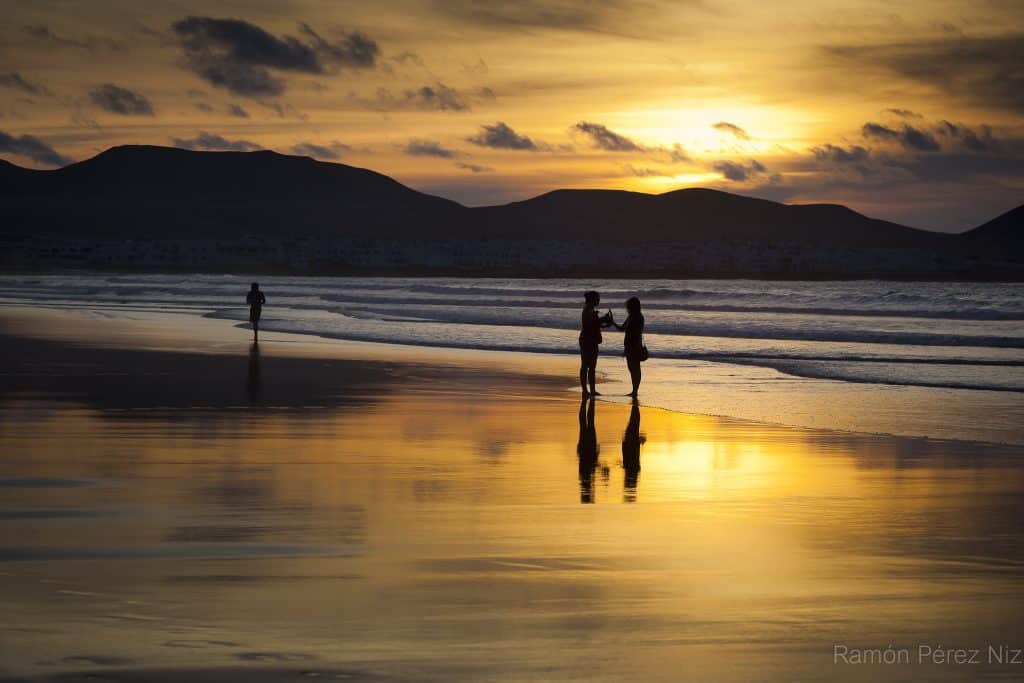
590	339
633	341
255	299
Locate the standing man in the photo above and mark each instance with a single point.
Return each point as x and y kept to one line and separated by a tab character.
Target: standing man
590	339
255	299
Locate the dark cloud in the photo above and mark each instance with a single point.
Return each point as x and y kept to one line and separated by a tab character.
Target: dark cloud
738	171
903	113
118	100
428	148
437	97
602	138
18	82
89	43
975	141
31	147
474	168
214	142
310	149
238	56
237	111
644	172
841	155
355	50
676	154
984	71
501	136
907	136
731	129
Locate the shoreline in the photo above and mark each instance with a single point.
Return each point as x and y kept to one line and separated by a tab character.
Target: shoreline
187	333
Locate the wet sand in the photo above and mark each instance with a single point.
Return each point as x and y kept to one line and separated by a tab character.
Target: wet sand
190	510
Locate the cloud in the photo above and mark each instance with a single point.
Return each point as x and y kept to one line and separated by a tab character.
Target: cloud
501	136
975	141
676	154
118	100
474	168
31	147
607	16
602	138
903	113
237	111
840	155
214	142
16	81
89	43
428	148
238	56
355	50
738	171
908	136
731	129
985	71
644	172
437	97
408	57
310	149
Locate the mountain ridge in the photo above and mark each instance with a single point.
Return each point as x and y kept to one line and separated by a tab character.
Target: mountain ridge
163	194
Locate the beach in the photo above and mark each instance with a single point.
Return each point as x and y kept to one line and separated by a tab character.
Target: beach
179	505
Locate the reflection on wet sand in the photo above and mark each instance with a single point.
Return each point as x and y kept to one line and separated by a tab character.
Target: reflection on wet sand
632	439
435	533
254	378
587	450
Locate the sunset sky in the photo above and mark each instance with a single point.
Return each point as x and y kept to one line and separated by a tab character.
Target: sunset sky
913	112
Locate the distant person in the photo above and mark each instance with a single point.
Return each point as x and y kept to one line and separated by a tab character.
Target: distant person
632	439
255	299
633	341
587	449
590	340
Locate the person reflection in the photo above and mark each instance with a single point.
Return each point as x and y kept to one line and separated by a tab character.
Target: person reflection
254	380
587	449
631	441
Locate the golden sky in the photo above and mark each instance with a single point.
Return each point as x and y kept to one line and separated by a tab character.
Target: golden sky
912	112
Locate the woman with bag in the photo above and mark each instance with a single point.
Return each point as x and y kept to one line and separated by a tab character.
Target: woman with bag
633	341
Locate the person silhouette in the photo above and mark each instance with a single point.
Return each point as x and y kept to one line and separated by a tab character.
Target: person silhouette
587	449
590	340
633	341
255	298
632	439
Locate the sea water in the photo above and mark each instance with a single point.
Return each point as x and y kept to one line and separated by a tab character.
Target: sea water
882	343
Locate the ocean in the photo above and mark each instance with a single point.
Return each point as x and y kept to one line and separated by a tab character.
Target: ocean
919	352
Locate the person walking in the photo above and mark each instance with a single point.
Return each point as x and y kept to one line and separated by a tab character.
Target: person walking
255	298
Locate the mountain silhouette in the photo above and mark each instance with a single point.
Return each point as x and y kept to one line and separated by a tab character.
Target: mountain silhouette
1007	228
167	194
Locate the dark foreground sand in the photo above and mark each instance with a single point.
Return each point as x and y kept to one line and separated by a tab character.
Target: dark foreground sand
174	506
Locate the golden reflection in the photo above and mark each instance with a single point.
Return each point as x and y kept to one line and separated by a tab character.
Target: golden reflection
330	532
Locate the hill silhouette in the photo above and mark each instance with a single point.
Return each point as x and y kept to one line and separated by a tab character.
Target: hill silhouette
143	191
1007	228
140	193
